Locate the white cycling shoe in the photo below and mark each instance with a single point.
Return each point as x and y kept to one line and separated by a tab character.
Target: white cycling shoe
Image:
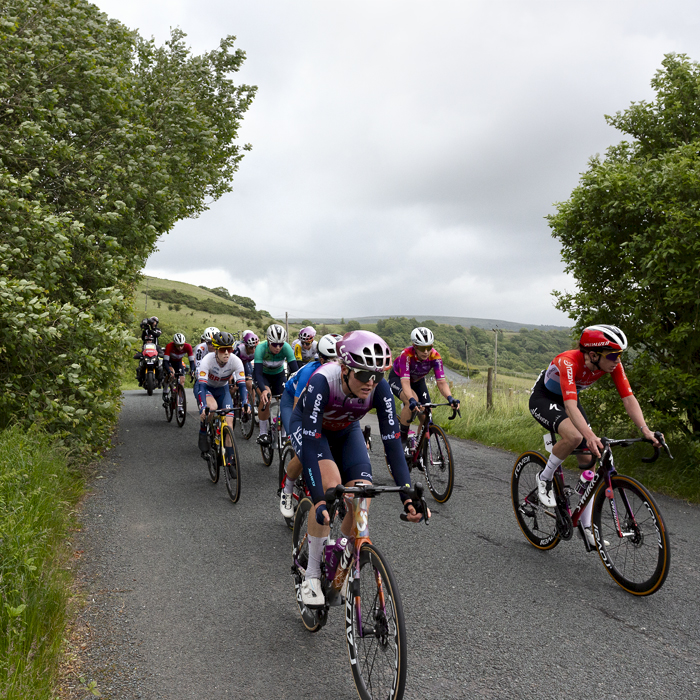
590	537
311	593
545	491
287	504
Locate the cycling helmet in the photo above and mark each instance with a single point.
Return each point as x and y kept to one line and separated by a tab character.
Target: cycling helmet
276	334
153	320
364	350
144	323
209	333
603	336
179	339
222	339
307	334
326	346
250	339
422	337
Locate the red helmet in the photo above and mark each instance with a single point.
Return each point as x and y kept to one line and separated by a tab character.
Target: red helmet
603	336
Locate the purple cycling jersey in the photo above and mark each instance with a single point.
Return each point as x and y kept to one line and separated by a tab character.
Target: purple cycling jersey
240	349
408	365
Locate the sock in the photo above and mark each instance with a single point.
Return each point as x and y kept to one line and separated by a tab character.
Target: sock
264	427
552	464
289	485
586	515
313	570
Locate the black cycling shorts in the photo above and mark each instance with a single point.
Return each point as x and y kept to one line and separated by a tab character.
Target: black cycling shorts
547	408
274	381
419	387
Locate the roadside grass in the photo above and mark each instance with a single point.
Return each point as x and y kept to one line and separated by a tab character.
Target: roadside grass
38	491
510	426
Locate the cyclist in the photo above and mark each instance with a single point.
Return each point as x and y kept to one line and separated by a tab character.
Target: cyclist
216	371
268	369
305	347
407	377
292	391
175	351
327	438
204	348
555	403
244	349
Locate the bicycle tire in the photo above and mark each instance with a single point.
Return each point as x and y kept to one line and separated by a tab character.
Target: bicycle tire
538	524
639	562
212	455
237	407
310	618
377	659
267	452
232	468
438	464
181	406
168	405
248	426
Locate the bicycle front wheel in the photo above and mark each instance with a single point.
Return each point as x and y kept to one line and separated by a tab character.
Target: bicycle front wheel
267	452
638	555
213	456
375	630
232	466
539	524
181	407
168	405
300	541
247	426
438	464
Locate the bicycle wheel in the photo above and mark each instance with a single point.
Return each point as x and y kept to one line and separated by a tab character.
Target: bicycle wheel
539	524
247	426
232	467
300	543
181	406
639	557
213	455
267	452
168	405
438	464
377	651
236	407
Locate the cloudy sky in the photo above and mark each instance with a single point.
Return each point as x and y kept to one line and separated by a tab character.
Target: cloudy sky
405	154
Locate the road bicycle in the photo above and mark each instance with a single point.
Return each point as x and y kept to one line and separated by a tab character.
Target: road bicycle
354	569
429	451
246	423
276	442
629	531
220	437
174	400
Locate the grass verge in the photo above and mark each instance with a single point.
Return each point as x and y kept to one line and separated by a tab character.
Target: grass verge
38	491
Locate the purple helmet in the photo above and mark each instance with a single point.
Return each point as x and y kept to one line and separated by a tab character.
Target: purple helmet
307	334
364	350
250	339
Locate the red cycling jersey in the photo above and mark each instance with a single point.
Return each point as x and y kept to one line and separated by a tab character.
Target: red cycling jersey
173	354
568	374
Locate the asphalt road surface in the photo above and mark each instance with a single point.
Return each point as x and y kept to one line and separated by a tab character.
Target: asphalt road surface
190	596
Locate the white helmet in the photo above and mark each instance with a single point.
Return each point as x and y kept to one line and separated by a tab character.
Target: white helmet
179	339
422	337
326	346
276	333
209	334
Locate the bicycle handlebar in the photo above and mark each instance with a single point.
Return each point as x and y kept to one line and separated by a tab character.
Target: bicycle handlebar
455	411
609	443
218	411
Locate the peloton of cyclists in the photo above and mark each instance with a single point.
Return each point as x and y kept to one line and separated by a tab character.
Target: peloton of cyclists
270	357
555	403
305	347
326	436
408	373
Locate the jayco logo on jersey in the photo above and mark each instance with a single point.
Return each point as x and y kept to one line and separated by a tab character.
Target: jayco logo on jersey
317	407
389	404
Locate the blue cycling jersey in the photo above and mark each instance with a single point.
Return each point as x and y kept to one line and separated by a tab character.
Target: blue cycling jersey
298	381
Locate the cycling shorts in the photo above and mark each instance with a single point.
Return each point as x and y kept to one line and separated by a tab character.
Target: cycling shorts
286	408
222	396
345	447
547	408
178	367
275	382
419	387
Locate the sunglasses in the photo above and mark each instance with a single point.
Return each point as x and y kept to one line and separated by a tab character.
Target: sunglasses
225	349
364	375
423	348
612	356
307	342
276	345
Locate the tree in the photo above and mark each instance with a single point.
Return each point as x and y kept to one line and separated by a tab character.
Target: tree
107	141
631	238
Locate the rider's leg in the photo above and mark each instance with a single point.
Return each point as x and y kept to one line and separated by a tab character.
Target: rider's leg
569	439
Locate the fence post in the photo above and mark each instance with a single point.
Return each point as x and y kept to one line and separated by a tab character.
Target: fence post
489	389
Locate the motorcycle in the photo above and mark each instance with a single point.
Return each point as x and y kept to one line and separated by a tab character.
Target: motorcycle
150	371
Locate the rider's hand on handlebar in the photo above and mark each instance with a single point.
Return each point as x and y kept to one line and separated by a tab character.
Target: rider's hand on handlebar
594	444
411	514
649	435
413	404
265	397
322	516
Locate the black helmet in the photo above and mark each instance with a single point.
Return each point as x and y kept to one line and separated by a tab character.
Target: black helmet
144	323
222	339
153	320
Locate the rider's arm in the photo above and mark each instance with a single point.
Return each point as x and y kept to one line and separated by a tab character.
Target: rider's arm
166	358
238	376
202	386
311	425
258	366
191	359
634	411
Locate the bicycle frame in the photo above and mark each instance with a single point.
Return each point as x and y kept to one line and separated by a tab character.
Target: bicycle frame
425	428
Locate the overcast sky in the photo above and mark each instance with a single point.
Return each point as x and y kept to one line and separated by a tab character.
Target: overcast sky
405	154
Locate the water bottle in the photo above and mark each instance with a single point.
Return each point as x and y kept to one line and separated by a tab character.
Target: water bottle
586	478
344	566
411	442
333	554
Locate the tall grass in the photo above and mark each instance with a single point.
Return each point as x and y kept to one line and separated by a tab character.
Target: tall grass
37	492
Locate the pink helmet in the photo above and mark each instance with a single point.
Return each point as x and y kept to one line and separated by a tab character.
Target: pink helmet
364	350
307	334
250	339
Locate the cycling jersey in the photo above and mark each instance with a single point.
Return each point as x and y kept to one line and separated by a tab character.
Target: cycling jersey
240	349
567	375
174	355
213	374
325	425
303	354
273	364
408	365
199	352
298	381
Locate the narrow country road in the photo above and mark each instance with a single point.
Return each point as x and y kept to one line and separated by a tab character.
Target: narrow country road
190	596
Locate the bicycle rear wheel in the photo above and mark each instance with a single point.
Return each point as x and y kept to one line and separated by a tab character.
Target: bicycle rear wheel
181	406
539	524
168	405
267	452
639	558
375	630
232	467
247	426
300	542
438	464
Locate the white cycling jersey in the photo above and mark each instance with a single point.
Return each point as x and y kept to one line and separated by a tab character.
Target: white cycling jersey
199	352
305	354
211	372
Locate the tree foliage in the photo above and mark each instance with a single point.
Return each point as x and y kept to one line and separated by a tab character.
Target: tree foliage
106	141
631	238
